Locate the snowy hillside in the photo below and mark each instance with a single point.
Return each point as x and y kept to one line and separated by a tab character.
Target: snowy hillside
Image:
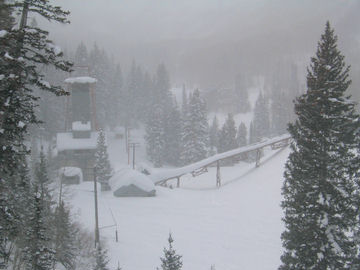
235	227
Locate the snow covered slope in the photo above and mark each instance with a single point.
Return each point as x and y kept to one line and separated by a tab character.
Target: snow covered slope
235	227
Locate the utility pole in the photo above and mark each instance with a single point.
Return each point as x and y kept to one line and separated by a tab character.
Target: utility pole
97	233
24	15
133	145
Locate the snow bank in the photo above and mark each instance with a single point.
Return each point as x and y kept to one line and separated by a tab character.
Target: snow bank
126	178
80	80
81	126
65	141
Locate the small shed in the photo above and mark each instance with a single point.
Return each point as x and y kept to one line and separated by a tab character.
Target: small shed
130	183
71	175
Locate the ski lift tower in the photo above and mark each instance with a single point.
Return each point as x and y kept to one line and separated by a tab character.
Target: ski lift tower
76	146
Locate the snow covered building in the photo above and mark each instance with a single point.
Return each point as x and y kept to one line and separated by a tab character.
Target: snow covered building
77	145
130	183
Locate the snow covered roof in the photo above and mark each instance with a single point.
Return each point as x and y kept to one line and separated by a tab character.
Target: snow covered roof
127	177
71	172
81	126
65	141
80	80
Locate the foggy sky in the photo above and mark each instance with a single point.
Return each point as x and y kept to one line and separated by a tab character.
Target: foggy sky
207	41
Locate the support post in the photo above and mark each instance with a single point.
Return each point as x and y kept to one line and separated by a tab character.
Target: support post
258	155
178	181
97	233
128	152
218	177
133	146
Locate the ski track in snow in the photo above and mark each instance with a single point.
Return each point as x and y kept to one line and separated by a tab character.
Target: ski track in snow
235	227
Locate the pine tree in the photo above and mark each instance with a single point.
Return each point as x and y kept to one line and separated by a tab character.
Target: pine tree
280	112
227	138
24	50
102	163
172	136
101	259
214	134
241	135
101	69
15	198
261	121
162	89
41	174
184	100
81	55
155	138
252	136
147	100
115	107
171	260
37	251
7	21
133	94
37	247
195	133
64	237
321	196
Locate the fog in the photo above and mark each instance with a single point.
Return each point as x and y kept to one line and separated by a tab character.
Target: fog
208	42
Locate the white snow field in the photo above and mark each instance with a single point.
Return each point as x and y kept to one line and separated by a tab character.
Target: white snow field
235	227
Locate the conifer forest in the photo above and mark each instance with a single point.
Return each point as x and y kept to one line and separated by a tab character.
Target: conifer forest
182	134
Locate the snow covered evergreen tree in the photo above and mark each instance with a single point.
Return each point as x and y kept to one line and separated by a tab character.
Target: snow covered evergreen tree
64	237
184	102
195	133
252	138
7	21
227	138
321	192
241	135
171	260
162	92
101	259
102	163
172	136
115	107
81	56
37	246
134	96
100	68
147	99
280	112
155	139
24	50
37	251
214	133
261	121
